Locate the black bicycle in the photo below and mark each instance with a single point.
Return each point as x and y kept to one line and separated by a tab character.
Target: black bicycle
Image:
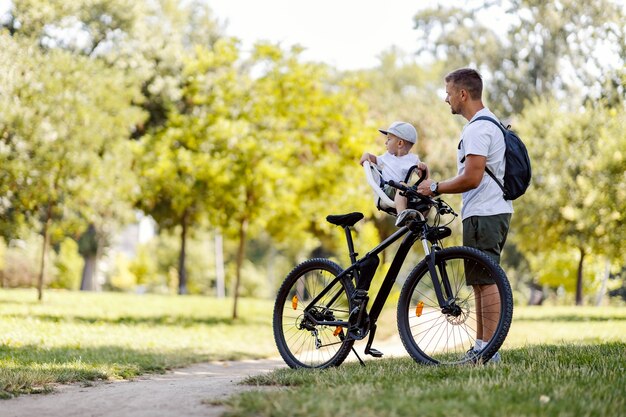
321	309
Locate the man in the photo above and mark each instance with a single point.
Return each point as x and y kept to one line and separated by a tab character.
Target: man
486	214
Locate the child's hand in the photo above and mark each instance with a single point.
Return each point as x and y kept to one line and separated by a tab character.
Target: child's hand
367	157
423	169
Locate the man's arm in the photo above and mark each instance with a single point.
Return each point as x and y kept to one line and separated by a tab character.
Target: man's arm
470	179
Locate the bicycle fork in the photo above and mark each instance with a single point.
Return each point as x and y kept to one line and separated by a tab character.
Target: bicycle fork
441	282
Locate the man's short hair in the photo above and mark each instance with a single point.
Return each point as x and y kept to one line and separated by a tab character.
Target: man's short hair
468	79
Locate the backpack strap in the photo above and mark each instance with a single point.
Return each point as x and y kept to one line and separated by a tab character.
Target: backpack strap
501	126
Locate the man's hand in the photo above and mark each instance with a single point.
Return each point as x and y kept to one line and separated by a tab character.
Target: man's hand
424	188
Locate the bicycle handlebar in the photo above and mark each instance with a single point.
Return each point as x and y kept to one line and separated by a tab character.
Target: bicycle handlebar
411	191
442	206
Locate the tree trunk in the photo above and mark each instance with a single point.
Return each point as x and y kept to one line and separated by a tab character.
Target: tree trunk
579	279
182	272
44	253
219	265
89	248
536	294
88	279
243	227
605	278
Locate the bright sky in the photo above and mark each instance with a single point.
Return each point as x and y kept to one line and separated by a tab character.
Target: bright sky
348	34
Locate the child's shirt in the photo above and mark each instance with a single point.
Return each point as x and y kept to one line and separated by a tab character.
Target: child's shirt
396	167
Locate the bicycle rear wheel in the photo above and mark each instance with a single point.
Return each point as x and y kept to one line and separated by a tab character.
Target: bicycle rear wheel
435	335
301	343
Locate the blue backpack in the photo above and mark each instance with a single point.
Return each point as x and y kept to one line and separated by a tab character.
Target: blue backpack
517	172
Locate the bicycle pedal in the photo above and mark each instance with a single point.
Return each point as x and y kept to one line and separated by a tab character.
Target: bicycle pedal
374	352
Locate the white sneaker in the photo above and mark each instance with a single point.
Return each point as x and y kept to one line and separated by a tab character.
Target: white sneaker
471	354
495	358
404	216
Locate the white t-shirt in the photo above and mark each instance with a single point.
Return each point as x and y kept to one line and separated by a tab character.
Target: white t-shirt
396	167
485	139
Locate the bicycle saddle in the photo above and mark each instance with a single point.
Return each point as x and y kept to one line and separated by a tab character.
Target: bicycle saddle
344	220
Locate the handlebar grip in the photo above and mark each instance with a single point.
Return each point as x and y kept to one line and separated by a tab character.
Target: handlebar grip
397	185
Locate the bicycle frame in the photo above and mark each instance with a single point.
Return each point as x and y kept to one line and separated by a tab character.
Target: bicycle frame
417	230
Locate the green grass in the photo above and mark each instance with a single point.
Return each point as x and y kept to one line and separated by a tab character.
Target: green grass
81	337
566	361
556	361
545	380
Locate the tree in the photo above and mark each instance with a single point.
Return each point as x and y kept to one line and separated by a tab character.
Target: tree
146	42
175	165
554	48
577	199
63	110
291	150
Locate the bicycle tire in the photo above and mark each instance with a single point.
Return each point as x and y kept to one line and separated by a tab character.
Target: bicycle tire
432	336
297	345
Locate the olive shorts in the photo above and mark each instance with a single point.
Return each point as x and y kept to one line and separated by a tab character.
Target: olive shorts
487	233
390	191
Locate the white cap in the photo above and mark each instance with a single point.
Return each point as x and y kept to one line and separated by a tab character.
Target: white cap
403	130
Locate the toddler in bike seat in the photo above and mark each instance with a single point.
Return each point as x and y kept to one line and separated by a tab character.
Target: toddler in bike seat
396	163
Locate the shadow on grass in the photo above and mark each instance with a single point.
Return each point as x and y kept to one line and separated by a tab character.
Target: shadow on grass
32	369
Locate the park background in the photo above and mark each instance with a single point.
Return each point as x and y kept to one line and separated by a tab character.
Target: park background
146	153
143	149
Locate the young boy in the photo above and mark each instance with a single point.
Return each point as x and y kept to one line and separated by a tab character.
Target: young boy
396	162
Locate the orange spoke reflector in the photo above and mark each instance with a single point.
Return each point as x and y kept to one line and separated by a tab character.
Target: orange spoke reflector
294	302
419	308
337	331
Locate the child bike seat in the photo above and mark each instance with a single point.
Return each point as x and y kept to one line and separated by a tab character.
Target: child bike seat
344	220
375	180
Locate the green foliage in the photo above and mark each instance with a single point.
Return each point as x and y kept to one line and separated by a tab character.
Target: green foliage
143	267
68	266
122	278
61	114
175	170
264	147
577	198
37	19
540	48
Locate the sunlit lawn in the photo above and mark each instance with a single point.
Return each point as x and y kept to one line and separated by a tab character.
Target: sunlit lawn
74	336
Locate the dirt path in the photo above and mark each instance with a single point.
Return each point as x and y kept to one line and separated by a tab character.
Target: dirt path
190	391
182	392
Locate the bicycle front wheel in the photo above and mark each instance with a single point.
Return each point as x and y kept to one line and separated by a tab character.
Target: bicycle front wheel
301	342
433	334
